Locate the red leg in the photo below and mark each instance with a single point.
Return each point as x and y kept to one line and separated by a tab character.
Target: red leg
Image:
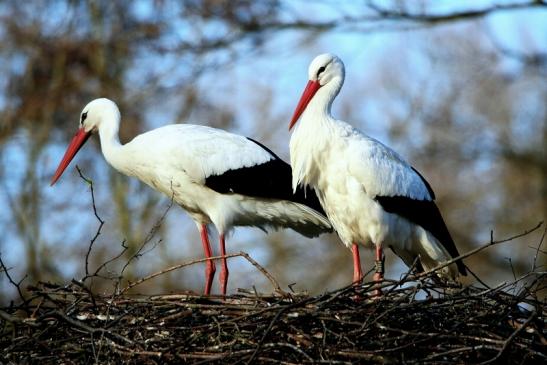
357	273
224	269
210	265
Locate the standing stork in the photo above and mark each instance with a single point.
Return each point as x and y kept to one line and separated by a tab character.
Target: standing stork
371	195
219	178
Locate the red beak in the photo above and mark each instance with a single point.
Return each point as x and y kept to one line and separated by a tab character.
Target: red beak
307	95
77	142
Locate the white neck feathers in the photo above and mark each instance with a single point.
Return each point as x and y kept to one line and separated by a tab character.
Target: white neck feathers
312	133
108	134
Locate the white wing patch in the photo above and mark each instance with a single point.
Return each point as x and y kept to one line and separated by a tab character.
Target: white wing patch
381	170
198	150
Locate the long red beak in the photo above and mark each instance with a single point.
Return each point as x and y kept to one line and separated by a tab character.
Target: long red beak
77	142
307	95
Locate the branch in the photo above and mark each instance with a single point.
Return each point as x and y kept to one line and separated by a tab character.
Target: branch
391	15
10	279
148	238
101	222
13	319
474	251
272	280
451	17
104	264
510	338
538	250
381	20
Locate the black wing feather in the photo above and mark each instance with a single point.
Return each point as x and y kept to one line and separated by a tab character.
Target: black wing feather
269	180
426	214
429	189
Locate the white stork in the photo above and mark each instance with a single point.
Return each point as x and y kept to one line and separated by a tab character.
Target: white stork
371	195
217	177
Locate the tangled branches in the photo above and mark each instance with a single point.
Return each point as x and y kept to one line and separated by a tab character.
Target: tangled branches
413	322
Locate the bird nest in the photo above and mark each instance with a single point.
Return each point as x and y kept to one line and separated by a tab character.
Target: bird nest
415	320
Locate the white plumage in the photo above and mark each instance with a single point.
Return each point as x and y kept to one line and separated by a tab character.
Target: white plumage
217	177
371	195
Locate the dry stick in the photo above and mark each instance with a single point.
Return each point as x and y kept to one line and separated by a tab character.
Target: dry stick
86	289
406	275
477	277
272	322
89	329
13	319
292	347
101	222
270	277
272	280
10	279
538	249
510	338
107	262
148	238
472	252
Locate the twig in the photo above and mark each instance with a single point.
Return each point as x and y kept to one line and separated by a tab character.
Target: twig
90	329
292	347
86	289
10	279
270	277
272	322
477	277
272	280
101	222
148	237
12	319
107	262
474	251
510	338
538	249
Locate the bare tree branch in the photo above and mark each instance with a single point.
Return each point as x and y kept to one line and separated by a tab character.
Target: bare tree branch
385	13
101	222
270	277
17	285
476	250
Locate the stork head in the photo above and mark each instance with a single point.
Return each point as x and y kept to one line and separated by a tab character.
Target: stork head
93	116
96	113
325	69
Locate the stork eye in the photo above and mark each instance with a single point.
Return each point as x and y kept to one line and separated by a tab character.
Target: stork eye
84	116
320	71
